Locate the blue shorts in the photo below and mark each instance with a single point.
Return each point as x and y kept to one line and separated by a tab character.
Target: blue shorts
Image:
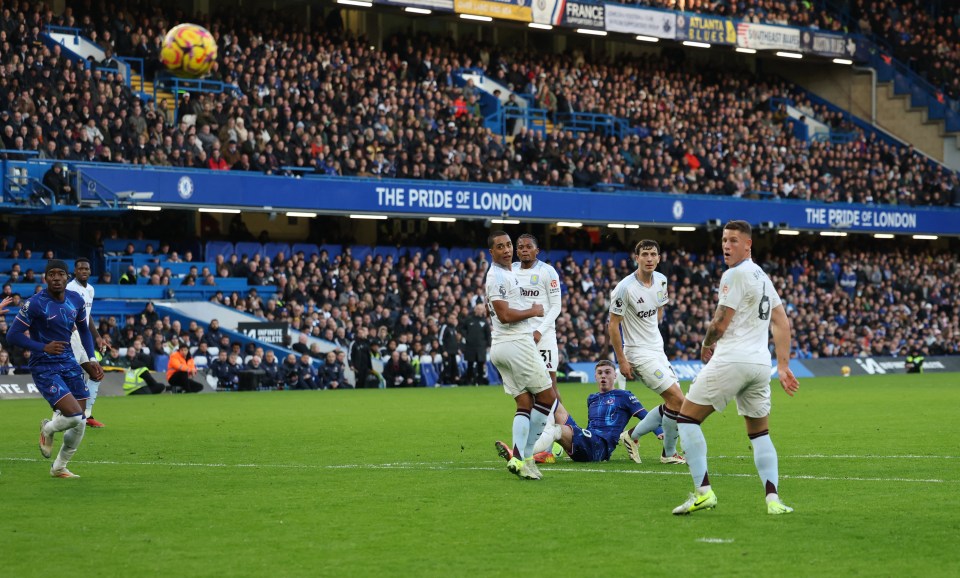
588	446
56	381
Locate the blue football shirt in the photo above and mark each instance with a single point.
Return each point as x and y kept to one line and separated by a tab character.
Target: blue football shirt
50	320
609	412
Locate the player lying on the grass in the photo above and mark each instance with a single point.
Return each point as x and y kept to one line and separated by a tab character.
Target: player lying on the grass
609	411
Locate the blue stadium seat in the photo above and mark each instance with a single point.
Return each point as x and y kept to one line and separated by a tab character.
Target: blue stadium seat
160	362
580	256
493	376
360	252
333	251
429	375
307	248
386	251
248	248
461	253
270	250
214	248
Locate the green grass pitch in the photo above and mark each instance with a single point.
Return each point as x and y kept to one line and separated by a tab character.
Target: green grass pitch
407	483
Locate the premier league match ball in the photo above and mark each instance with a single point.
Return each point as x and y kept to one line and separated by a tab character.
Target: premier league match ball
189	50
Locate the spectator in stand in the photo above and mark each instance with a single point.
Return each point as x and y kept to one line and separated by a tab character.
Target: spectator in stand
56	182
398	372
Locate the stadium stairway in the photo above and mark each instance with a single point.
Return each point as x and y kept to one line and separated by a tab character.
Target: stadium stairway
159	95
852	90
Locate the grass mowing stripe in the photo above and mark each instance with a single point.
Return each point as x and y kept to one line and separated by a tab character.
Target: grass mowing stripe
450	466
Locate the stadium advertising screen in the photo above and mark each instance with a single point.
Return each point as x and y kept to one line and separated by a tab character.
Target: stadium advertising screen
446	5
619	18
832	45
518	10
583	14
709	29
763	37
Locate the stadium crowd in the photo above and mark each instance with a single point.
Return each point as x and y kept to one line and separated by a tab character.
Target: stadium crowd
842	303
342	108
922	34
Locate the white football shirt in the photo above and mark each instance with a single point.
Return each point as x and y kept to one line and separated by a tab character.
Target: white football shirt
639	304
85	292
747	290
541	284
502	285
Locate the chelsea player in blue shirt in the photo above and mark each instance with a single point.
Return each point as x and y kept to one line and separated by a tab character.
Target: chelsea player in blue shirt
50	317
609	411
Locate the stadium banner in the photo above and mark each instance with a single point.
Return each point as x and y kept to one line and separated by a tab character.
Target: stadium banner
766	37
505	9
273	333
581	14
621	18
833	366
23	387
709	29
829	45
331	195
444	5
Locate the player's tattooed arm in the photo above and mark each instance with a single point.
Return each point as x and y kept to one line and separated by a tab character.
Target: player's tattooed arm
717	327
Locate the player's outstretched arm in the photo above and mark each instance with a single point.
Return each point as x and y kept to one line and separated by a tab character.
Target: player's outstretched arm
780	327
3	305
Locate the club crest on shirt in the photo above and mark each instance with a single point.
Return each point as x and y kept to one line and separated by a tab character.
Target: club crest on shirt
609	401
534	279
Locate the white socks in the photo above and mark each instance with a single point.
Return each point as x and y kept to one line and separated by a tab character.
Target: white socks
71	441
94	387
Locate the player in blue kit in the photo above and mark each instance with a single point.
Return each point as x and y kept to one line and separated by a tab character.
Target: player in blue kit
50	316
609	411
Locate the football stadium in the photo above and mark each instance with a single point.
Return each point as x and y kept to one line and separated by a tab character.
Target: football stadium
708	248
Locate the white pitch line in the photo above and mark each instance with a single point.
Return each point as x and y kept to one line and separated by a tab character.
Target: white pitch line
715	540
449	466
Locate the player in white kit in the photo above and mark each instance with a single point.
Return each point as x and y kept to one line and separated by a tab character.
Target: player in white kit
736	355
514	353
540	283
80	284
636	308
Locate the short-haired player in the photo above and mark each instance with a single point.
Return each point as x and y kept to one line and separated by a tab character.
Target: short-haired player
636	309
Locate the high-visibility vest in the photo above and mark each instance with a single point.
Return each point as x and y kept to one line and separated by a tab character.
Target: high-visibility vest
132	380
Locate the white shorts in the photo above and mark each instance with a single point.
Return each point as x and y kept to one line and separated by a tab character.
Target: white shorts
719	382
655	372
521	367
78	351
548	352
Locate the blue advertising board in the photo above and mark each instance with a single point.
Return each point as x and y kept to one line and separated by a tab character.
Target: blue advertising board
199	188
